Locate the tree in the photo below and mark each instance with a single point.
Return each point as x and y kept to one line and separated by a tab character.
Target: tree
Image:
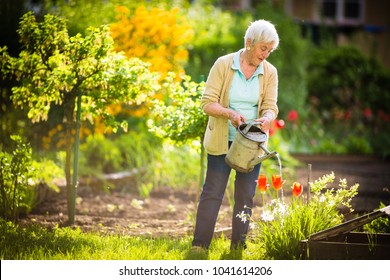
73	72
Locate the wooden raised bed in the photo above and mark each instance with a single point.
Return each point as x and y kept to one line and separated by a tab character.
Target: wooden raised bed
340	243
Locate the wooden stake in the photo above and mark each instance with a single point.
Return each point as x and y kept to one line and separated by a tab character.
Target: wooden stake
308	183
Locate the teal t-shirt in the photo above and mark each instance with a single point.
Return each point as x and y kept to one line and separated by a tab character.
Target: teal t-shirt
244	94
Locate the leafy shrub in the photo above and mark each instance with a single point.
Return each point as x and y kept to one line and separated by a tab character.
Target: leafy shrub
213	38
178	167
23	181
353	99
14	174
353	80
155	162
135	150
179	115
100	154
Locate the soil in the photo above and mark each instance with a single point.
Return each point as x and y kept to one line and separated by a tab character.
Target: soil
168	212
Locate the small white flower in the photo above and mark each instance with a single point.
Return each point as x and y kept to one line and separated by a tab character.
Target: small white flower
267	216
243	216
283	209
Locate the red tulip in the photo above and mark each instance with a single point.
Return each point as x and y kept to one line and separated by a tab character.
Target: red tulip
277	182
292	116
367	113
262	183
279	123
347	115
297	189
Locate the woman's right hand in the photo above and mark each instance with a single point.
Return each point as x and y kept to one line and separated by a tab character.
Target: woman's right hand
236	118
217	110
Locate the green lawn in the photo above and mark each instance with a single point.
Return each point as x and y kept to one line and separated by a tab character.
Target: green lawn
37	243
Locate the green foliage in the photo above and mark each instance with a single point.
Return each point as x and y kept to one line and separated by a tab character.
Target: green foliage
379	225
82	14
14	176
38	243
349	93
54	67
213	38
352	80
179	116
133	151
349	145
100	154
23	181
177	166
282	226
329	145
304	134
138	148
154	162
45	173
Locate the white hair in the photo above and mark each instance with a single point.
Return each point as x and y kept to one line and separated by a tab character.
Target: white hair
262	31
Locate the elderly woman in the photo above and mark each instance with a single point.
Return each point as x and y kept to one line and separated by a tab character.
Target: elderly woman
241	87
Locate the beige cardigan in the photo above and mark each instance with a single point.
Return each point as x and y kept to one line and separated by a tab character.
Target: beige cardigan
217	90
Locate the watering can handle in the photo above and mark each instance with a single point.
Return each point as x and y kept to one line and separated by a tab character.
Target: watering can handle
249	125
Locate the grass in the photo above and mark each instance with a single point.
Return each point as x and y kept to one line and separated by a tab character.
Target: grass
37	243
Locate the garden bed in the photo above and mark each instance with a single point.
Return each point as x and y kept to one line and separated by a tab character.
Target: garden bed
171	212
341	242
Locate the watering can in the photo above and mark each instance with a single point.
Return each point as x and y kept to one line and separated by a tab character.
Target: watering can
244	152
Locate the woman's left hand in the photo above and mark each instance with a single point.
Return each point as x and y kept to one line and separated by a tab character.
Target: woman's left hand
265	123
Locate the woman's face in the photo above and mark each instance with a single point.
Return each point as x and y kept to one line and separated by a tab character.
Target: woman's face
259	52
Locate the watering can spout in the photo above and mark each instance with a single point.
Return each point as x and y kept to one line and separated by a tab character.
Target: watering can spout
267	155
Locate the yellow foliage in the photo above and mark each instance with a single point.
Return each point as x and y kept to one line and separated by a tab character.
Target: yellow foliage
154	35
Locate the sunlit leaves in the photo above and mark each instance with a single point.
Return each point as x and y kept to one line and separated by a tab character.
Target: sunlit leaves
52	67
178	115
